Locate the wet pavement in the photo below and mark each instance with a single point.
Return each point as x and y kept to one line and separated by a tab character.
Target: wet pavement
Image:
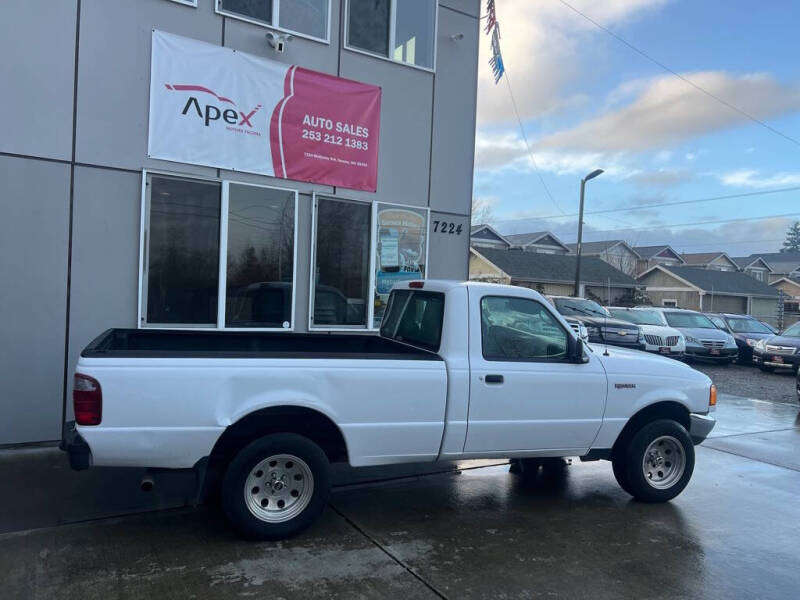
479	532
749	381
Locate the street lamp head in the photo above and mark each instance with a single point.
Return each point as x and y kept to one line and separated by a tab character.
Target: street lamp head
593	174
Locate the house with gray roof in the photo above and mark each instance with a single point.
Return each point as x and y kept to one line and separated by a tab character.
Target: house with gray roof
551	273
486	236
710	290
718	261
783	264
755	267
656	255
542	242
617	253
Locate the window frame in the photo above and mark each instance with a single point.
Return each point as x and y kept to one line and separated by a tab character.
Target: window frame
672	300
313	265
192	3
276	17
374	248
392	24
373	237
567	334
144	229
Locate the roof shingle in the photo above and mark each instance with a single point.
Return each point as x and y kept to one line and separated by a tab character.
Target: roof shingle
557	268
722	282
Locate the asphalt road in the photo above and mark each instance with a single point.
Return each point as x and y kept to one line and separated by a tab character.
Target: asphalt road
478	532
752	382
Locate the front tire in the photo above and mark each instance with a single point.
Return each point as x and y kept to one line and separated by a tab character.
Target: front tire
276	486
657	463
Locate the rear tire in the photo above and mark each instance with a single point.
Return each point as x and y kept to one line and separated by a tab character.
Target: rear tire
276	486
657	463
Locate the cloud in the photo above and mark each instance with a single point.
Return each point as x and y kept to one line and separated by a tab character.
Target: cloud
662	177
540	44
753	179
508	150
666	110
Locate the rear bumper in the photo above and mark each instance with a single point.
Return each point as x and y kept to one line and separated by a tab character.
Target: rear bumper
701	426
80	456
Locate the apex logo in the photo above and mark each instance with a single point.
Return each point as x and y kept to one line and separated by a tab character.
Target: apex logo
211	112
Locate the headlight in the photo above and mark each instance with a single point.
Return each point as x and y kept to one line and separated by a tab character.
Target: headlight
692	340
731	341
750	342
583	332
761	344
641	337
592	330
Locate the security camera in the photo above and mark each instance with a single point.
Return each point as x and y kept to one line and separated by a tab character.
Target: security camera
278	41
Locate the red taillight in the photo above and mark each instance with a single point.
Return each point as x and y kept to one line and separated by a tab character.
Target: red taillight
87	399
417	285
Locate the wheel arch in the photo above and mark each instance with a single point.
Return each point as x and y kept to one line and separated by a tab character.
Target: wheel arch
665	409
308	422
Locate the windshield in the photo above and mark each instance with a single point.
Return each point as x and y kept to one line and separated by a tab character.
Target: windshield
793	331
639	317
688	319
580	306
747	326
718	322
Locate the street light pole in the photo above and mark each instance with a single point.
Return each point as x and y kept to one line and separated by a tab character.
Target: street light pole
591	175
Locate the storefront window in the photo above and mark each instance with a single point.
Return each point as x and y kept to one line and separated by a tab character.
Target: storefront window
182	252
305	17
401	250
190	280
400	30
260	257
341	263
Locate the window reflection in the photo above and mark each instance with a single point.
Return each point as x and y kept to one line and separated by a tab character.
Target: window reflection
183	252
260	264
341	269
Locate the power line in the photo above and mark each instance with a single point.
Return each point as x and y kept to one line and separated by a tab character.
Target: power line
679	76
527	146
661	204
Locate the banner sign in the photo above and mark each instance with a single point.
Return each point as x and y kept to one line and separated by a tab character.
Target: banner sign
222	108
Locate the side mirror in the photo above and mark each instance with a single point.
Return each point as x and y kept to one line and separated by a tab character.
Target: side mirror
577	352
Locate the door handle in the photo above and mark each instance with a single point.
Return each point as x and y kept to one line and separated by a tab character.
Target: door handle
494	379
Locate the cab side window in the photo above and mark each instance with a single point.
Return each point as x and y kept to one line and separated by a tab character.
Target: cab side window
520	329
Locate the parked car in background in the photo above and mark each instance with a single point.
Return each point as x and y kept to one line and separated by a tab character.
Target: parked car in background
704	340
769	326
745	329
779	350
601	326
578	327
657	337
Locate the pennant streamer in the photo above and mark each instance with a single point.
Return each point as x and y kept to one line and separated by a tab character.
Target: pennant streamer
493	28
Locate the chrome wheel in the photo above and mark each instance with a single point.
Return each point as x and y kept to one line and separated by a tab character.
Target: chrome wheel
664	462
278	488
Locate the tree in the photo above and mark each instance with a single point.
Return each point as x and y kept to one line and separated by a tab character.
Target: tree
792	241
481	212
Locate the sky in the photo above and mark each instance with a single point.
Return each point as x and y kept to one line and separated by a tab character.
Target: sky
586	100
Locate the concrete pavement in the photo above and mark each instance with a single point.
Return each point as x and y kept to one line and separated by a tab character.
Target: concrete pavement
475	533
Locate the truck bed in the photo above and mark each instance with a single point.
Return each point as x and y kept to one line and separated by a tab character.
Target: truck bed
161	343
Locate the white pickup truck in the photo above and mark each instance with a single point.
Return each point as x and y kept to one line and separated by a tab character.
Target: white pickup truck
460	371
